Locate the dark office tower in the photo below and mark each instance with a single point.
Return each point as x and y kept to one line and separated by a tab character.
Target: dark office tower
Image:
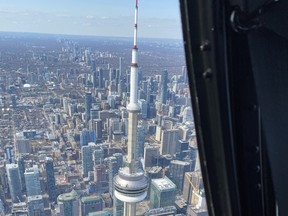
9	154
120	68
120	88
140	140
88	105
14	182
94	79
94	113
35	205
21	166
119	158
177	170
163	93
184	74
98	128
87	136
50	179
91	204
87	158
182	146
14	101
128	82
98	157
117	77
194	156
100	174
145	86
112	74
93	65
3	178
2	208
101	78
140	75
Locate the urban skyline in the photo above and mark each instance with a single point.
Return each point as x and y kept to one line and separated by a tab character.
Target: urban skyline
160	19
86	131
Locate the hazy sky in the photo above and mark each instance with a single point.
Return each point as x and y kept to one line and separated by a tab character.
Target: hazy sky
157	18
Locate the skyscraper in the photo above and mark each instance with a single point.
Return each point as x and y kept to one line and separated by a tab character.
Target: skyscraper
112	74
120	87
98	156
149	153
97	123
169	139
101	78
177	170
91	204
187	114
68	204
100	173
192	187
162	192
120	68
94	79
144	108
87	158
163	92
94	113
32	181
50	179
3	179
87	136
88	106
166	211
21	167
9	154
14	182
2	209
140	140
35	206
130	183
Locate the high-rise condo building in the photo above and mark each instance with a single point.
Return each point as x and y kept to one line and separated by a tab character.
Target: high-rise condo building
14	182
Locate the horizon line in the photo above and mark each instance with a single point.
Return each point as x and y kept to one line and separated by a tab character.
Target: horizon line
88	35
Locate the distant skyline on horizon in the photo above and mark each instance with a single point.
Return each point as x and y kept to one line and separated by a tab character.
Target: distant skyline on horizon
157	19
90	36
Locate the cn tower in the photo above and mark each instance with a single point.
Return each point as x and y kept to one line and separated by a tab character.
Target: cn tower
130	184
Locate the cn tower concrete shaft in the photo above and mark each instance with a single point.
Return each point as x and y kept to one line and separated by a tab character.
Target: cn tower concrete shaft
130	184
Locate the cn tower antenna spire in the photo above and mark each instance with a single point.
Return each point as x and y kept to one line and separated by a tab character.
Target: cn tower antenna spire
135	24
131	184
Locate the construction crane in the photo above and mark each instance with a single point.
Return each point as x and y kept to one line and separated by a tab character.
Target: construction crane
195	191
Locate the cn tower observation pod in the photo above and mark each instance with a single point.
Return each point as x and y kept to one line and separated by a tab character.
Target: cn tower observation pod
130	187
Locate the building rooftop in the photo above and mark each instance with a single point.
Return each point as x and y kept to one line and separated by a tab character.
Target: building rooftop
178	162
155	169
163	184
90	199
67	196
100	213
10	166
32	170
34	198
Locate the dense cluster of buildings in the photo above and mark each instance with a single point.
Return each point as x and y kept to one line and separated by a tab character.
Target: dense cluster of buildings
64	138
